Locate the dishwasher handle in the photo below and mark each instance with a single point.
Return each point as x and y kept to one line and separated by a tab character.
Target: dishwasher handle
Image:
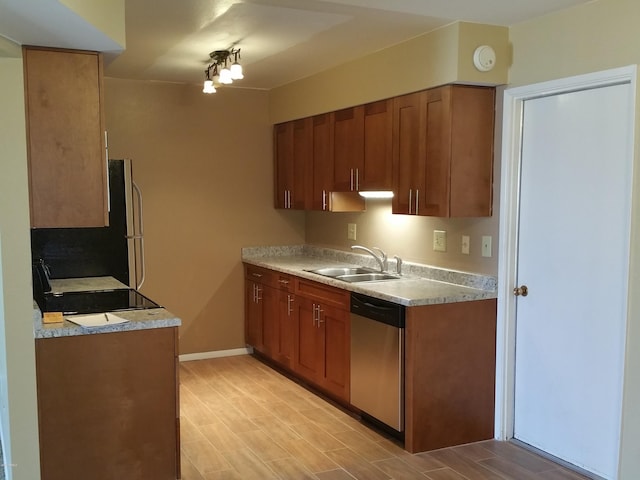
378	310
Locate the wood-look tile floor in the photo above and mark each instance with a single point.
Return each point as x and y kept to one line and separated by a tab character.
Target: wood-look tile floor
242	420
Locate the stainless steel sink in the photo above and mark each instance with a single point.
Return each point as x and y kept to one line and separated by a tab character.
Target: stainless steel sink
354	274
338	271
367	277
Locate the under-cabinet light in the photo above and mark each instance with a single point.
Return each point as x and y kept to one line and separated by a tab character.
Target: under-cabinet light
377	194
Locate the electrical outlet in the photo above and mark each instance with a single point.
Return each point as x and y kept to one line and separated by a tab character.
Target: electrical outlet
465	244
439	241
351	231
486	245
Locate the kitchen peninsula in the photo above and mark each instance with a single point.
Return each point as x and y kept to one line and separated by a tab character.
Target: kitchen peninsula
108	396
449	335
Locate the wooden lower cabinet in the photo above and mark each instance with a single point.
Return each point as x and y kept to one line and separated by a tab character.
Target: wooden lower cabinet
305	326
321	346
108	405
449	374
285	320
260	309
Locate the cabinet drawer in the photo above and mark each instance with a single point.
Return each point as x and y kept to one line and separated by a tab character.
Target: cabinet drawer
323	293
282	281
260	275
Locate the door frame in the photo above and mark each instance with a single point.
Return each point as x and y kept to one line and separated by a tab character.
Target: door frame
512	129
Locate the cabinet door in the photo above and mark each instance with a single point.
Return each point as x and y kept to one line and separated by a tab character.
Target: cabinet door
408	165
268	305
66	144
302	158
283	163
307	345
253	314
376	172
292	154
472	129
348	148
437	152
286	319
322	162
335	331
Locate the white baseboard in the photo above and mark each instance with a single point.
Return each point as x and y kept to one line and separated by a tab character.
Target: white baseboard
215	354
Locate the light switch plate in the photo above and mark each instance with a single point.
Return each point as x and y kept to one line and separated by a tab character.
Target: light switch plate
439	241
486	245
351	231
465	244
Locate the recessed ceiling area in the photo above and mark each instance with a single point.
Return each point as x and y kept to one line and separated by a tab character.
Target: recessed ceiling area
280	40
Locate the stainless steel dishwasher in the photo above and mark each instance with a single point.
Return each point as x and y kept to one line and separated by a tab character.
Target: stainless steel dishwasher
377	361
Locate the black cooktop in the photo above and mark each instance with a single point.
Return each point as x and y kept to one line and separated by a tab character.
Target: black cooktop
95	301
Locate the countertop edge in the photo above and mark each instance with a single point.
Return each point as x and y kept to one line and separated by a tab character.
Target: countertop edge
138	320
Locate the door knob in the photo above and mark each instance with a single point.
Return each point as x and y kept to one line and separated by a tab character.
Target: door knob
521	291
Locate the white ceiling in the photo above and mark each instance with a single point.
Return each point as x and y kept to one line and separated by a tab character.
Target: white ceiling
280	40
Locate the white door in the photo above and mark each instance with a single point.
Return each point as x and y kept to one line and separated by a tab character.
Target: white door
572	254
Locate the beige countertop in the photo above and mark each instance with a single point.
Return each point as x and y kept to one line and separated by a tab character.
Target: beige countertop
420	285
137	319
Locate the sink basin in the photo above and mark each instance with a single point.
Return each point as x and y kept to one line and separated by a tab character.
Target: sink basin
367	277
354	274
339	271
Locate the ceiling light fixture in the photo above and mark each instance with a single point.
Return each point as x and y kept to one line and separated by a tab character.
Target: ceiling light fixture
220	71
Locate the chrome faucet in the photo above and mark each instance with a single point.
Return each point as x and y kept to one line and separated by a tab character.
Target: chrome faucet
381	259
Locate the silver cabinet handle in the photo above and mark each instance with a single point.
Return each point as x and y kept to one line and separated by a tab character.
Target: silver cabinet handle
351	179
320	316
258	293
283	282
357	179
410	201
289	303
324	200
257	275
417	201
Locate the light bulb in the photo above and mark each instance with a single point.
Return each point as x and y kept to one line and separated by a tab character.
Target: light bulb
208	87
225	76
236	71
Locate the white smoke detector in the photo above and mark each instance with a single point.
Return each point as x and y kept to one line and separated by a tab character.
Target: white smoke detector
484	58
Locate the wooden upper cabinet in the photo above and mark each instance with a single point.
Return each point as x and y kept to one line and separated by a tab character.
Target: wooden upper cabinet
66	140
472	140
362	147
348	148
322	162
283	163
443	152
292	155
408	168
376	170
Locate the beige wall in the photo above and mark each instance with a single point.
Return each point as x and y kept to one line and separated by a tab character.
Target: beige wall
204	163
17	363
442	56
594	37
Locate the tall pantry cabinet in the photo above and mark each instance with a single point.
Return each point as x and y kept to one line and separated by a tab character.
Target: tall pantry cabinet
66	141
